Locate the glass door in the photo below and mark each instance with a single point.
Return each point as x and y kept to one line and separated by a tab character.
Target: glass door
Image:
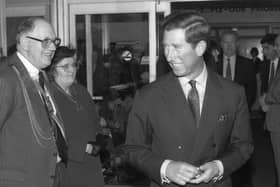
118	46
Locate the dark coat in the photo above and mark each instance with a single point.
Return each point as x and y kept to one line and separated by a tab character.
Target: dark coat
23	161
82	124
161	127
245	75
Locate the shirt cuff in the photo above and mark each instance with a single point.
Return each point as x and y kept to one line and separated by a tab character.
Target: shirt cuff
163	167
221	170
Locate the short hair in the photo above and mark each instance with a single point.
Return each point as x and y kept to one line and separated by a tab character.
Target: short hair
26	26
254	51
269	39
196	27
229	32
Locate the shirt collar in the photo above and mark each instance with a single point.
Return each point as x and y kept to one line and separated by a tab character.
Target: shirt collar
200	79
31	69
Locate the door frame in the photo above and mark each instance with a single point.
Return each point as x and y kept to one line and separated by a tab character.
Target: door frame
68	9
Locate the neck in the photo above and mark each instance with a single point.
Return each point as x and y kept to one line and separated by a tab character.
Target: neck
65	88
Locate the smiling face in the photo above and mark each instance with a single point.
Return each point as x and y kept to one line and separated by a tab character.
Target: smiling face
65	72
183	58
37	55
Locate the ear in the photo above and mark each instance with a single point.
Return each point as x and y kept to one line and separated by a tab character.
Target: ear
24	42
200	48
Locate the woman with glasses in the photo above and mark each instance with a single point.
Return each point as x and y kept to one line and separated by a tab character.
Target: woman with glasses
80	120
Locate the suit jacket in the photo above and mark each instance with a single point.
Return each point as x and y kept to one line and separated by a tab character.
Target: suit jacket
272	98
23	161
161	126
264	75
244	75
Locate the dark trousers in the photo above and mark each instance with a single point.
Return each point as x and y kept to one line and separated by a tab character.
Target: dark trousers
60	173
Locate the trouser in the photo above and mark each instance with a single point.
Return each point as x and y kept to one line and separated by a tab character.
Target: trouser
275	141
60	172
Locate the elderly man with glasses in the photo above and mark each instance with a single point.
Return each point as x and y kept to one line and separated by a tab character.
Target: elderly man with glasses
32	137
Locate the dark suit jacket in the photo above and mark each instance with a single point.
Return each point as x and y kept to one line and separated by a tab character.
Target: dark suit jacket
23	162
272	98
161	127
264	75
245	75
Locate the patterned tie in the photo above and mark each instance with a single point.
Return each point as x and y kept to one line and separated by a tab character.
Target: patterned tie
193	99
228	70
272	73
60	141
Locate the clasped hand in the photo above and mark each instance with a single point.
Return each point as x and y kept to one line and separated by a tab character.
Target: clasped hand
182	172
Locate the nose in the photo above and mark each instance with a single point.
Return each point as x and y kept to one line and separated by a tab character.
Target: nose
170	53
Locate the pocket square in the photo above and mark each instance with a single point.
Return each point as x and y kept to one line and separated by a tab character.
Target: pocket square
222	118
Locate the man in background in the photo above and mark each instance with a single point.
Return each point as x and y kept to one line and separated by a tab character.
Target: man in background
235	67
269	68
272	120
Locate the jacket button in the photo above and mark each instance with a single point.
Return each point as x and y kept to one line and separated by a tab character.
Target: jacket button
213	145
179	147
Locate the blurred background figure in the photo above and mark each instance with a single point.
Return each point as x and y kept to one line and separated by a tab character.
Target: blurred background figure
211	55
254	52
81	121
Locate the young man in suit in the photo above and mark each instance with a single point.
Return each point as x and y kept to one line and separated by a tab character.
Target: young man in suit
235	67
28	150
183	129
269	68
272	120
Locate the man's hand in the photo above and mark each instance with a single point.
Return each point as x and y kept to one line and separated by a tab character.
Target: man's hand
208	171
263	104
181	172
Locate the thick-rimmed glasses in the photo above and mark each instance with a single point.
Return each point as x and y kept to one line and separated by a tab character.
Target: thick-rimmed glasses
67	66
47	42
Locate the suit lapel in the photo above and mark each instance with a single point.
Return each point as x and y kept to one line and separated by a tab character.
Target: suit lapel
209	116
183	124
36	102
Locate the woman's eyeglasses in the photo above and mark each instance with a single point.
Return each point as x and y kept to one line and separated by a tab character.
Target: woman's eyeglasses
47	42
67	66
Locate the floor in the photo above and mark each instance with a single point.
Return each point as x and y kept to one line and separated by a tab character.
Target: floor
263	174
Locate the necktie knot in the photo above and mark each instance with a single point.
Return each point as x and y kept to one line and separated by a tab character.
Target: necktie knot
41	80
192	83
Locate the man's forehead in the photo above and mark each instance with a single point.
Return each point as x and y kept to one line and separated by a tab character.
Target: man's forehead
43	29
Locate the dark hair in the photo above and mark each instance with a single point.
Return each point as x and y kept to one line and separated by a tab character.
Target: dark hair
196	27
60	53
269	39
26	26
254	51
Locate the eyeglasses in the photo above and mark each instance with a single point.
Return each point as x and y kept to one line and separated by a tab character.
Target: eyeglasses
67	66
46	42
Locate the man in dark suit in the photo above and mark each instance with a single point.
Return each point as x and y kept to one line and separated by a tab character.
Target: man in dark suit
272	120
29	154
235	67
183	129
269	68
